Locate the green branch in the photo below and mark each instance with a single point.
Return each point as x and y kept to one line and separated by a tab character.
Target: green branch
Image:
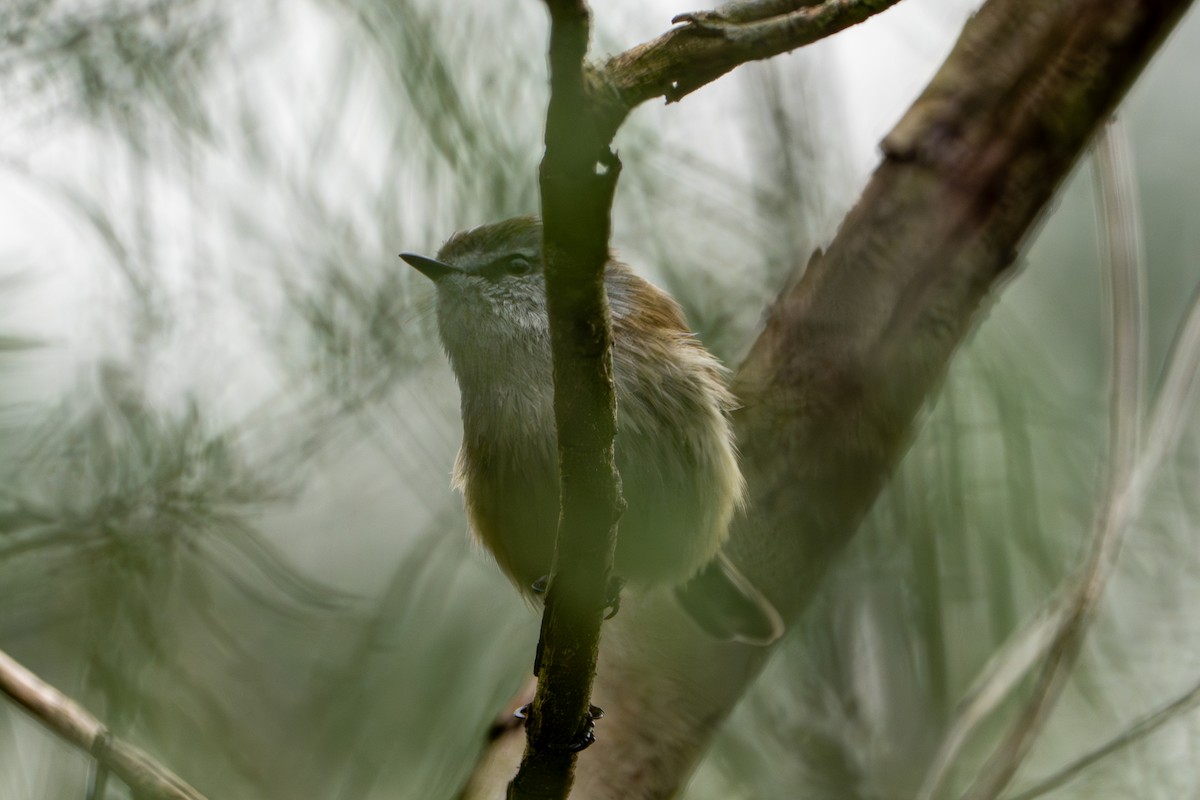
578	178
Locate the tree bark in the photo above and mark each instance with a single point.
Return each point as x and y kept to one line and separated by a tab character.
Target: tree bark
578	178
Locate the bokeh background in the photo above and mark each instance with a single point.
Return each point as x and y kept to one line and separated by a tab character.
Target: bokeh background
226	428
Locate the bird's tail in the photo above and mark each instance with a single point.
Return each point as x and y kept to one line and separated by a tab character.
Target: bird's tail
726	606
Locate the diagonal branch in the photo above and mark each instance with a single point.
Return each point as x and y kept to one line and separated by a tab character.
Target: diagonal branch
1053	637
739	11
1174	404
711	44
1134	733
769	31
1127	479
71	721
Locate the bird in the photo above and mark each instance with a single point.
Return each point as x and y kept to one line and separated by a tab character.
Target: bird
674	447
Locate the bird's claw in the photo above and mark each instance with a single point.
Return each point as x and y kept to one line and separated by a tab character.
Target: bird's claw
703	23
585	739
587	729
540	585
612	597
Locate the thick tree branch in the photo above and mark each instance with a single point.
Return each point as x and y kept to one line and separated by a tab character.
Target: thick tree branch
852	349
851	352
578	178
69	720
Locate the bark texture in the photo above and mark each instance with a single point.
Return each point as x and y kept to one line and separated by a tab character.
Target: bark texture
578	177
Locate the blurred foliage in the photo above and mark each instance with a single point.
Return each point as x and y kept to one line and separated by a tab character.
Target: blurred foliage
120	65
225	429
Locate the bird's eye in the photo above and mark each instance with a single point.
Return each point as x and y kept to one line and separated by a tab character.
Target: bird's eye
515	264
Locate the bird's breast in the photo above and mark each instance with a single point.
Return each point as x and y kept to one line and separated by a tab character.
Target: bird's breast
507	471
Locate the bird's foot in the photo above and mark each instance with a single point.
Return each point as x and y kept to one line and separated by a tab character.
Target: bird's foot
587	728
612	597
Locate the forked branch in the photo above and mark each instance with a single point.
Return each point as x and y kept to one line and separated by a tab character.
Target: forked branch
851	350
711	43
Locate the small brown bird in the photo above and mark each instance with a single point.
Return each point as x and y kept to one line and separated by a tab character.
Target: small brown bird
674	447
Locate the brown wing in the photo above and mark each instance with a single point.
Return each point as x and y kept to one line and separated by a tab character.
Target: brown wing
674	443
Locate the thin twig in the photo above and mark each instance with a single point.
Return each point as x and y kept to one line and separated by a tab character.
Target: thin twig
711	44
1134	733
1122	499
794	28
1175	403
995	682
1053	636
71	721
747	10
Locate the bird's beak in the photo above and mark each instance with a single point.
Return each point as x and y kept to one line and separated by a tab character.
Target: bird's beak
431	268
